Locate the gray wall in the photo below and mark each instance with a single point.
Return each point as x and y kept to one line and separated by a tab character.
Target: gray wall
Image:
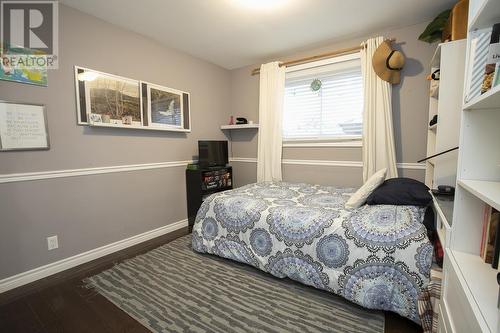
91	211
410	115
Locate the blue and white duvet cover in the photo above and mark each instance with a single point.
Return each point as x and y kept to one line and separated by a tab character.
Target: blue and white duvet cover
375	256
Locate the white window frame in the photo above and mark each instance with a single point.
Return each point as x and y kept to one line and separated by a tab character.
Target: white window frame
353	141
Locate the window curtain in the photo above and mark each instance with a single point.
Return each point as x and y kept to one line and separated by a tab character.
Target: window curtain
272	89
378	135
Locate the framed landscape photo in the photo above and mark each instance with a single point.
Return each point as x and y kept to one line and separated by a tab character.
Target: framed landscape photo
107	100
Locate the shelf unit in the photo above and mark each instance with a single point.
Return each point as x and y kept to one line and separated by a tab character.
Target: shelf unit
443	206
470	289
483	14
489	100
449	58
487	191
234	127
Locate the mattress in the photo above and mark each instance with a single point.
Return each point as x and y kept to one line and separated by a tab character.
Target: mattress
376	256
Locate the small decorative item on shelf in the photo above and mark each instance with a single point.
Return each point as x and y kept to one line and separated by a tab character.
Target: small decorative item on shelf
493	58
127	120
95	118
241	121
231	120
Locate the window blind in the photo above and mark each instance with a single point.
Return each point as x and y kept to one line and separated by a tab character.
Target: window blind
332	112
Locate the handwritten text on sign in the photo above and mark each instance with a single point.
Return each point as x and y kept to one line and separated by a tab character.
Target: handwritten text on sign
22	126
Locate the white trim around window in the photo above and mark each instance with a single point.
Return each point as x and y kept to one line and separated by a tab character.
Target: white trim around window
323	144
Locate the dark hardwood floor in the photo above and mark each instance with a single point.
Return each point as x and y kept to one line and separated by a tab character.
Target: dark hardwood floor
61	303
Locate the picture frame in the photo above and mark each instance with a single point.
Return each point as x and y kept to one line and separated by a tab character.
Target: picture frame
184	126
107	100
23	126
23	74
161	108
165	107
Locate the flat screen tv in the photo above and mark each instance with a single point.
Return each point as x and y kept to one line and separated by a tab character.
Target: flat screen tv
212	153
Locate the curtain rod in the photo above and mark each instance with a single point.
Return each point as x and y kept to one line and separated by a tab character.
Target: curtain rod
331	54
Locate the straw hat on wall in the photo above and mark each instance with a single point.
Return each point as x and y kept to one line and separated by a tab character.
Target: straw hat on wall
388	63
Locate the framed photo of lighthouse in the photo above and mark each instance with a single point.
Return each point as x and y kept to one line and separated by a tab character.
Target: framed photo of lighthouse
165	107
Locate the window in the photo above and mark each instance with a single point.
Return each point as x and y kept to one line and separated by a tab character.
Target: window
324	100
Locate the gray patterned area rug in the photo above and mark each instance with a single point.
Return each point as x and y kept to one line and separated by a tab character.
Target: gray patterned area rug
174	289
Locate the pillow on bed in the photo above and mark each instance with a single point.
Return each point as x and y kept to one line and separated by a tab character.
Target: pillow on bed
359	197
400	191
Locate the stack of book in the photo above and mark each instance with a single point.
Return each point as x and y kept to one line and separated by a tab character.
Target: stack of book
490	241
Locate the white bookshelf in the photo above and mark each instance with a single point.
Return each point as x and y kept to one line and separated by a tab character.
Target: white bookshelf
483	14
482	285
470	289
449	58
487	191
235	127
487	101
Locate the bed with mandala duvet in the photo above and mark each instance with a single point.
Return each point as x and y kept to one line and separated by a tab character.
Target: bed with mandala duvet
376	256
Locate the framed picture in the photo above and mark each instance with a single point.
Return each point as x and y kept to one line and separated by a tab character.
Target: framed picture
22	74
23	126
107	100
165	107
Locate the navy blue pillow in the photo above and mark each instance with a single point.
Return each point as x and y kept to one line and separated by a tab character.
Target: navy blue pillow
400	191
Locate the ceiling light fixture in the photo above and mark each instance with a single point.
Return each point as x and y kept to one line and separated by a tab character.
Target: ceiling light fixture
260	4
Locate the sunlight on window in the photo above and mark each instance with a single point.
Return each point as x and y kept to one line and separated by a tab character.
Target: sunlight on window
324	103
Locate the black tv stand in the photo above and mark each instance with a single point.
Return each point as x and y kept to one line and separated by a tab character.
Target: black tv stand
203	182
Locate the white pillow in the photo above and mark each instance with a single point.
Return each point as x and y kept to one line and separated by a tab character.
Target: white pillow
359	198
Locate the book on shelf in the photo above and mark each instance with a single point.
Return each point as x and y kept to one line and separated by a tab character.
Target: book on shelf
496	77
496	248
493	58
490	240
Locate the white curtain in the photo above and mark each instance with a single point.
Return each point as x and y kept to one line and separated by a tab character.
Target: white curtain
272	90
378	134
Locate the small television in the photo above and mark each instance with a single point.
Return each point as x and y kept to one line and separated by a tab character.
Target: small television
212	153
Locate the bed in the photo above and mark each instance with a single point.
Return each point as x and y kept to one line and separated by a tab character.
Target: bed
376	256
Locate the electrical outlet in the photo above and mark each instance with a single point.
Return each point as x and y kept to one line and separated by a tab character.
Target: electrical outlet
52	242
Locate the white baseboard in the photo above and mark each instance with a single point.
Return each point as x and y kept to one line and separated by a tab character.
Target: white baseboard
67	263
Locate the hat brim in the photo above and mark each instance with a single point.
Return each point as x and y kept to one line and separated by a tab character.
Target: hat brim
380	67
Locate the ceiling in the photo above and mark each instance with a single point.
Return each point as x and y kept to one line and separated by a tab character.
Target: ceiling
232	33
